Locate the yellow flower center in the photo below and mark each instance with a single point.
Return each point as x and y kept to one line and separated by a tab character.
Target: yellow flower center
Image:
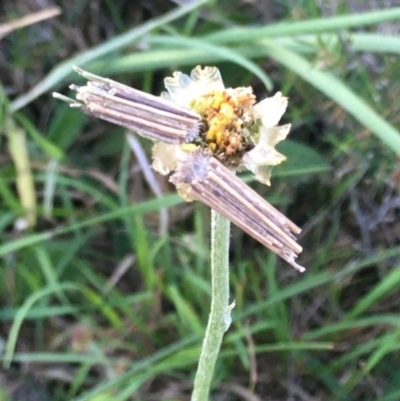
227	123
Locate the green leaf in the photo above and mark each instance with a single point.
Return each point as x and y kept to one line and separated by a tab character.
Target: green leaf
301	160
66	125
47	146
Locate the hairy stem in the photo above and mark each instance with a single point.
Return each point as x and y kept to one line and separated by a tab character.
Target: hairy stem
219	319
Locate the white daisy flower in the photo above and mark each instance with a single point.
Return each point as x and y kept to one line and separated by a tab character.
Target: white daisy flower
234	129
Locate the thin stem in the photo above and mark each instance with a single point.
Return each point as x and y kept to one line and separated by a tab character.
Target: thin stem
219	319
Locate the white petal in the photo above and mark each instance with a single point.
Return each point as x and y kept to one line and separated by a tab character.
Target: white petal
271	109
274	135
240	91
209	79
264	153
184	190
166	157
166	96
181	88
261	173
184	89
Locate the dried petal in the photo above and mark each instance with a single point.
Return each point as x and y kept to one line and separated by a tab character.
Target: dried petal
166	157
184	89
271	109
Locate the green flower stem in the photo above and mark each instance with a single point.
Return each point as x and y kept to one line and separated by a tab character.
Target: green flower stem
219	319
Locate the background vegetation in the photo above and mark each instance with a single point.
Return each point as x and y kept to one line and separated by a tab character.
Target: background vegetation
104	270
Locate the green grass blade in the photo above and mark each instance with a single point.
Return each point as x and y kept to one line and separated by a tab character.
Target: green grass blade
64	69
163	55
365	42
137	367
336	327
335	89
144	207
317	25
13	334
186	313
383	288
223	52
47	146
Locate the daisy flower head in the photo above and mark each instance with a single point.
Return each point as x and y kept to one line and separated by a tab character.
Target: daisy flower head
203	133
236	130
